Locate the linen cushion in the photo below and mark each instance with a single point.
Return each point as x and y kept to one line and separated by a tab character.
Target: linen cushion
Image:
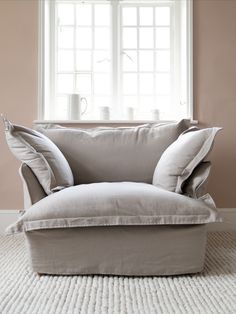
41	155
112	204
195	185
114	154
181	158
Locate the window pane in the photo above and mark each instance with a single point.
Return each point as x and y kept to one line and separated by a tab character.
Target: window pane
102	101
84	37
130	83
83	83
146	38
129	16
146	102
129	37
61	108
163	16
102	38
163	61
163	84
163	103
102	61
142	114
84	14
83	60
146	16
130	101
163	37
65	83
129	60
65	61
66	14
101	84
146	83
146	61
66	37
102	14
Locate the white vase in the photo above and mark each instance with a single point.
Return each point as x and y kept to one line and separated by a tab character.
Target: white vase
155	114
130	113
104	113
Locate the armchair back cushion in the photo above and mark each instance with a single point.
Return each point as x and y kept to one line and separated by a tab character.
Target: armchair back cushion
114	154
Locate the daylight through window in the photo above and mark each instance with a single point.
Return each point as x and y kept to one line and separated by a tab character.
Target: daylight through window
131	60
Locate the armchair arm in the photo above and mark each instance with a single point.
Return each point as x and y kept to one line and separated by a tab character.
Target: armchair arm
33	191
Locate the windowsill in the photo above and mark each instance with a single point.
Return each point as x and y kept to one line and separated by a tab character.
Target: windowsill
99	122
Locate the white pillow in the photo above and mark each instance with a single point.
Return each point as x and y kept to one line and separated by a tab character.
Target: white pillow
41	155
180	159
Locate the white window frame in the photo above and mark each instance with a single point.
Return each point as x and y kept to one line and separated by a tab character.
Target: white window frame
43	87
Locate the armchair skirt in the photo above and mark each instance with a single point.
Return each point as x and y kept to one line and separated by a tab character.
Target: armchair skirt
118	250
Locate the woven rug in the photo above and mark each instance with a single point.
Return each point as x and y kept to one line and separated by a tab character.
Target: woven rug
212	291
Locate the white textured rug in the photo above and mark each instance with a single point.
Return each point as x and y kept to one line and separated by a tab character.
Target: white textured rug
212	291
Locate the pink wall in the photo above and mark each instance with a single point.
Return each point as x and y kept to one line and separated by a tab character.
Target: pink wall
18	85
214	87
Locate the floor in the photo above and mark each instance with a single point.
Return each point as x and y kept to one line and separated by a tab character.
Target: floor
212	291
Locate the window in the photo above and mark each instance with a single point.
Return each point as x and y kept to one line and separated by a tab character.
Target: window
129	59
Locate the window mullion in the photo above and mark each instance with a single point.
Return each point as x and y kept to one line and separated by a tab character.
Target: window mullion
74	50
52	56
155	104
115	51
138	63
175	58
92	65
189	52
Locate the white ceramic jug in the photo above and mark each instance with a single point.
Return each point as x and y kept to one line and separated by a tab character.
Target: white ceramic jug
75	106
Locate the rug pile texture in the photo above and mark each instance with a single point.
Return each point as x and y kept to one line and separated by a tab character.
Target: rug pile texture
212	291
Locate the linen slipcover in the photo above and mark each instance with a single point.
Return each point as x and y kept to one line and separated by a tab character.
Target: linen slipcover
118	250
112	204
108	223
114	154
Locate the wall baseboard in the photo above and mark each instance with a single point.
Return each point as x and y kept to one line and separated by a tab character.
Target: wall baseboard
9	216
229	220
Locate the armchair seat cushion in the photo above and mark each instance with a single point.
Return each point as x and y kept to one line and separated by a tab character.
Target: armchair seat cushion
112	204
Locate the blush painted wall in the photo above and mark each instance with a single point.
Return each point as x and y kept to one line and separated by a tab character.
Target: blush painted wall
18	85
214	87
